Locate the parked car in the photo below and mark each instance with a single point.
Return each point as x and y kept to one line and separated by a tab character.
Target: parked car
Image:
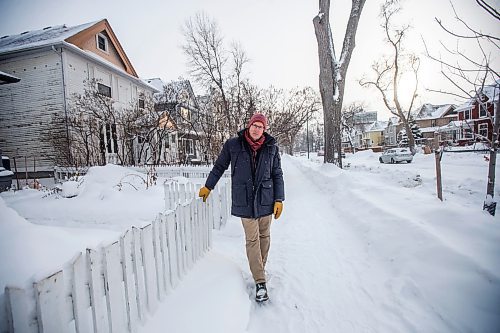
396	155
302	153
321	152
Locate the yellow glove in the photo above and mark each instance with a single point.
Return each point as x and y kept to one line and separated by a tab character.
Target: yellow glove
204	192
278	208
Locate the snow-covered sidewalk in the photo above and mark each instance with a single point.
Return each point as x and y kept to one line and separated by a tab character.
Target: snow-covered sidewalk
351	253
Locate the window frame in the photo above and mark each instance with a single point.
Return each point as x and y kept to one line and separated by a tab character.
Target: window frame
483	108
467	112
106	42
483	127
141	103
102	92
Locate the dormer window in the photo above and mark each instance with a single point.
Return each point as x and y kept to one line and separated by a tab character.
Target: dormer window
102	42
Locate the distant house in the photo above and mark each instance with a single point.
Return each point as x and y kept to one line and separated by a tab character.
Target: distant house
356	137
391	132
374	134
53	64
476	114
435	118
181	110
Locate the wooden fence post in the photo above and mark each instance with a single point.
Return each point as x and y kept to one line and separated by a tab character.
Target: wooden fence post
437	154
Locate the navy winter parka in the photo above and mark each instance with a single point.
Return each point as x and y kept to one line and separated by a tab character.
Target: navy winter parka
253	196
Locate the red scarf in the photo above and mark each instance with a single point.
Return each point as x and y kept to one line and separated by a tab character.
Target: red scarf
254	145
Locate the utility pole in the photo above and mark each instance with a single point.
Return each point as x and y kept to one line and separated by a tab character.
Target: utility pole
307	135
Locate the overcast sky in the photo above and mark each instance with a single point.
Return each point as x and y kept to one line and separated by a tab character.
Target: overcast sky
277	35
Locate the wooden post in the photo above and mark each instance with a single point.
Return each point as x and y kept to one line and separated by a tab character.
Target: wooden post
17	177
437	155
26	169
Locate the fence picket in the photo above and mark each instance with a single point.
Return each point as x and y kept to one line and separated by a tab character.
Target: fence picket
81	296
148	260
162	230
50	300
129	280
97	291
158	256
20	311
115	291
173	257
140	282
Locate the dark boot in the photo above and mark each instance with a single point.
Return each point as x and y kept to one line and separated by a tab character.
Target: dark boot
261	292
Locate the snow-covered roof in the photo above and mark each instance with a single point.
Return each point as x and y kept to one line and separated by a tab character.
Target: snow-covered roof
57	35
156	82
377	126
491	91
430	111
174	90
39	38
465	106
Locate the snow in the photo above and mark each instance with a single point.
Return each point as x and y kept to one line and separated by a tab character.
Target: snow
429	111
41	37
365	249
5	173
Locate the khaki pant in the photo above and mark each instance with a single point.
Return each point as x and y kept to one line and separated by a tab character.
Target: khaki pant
258	239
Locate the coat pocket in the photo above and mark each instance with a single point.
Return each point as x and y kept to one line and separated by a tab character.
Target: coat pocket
267	193
239	195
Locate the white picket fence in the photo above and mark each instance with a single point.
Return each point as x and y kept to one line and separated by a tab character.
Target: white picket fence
111	289
62	173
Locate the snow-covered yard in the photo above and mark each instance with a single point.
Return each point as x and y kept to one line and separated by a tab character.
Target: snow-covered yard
365	249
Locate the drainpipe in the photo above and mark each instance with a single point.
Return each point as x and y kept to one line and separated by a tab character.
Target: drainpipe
65	103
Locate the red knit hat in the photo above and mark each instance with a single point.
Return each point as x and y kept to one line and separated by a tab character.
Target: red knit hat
260	118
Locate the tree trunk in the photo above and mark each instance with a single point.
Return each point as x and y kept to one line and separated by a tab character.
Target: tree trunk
490	204
332	74
326	83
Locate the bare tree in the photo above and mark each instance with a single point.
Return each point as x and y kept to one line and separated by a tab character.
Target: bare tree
289	111
389	70
332	74
470	76
349	127
209	64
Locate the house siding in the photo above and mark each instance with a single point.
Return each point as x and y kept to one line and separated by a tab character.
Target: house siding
27	107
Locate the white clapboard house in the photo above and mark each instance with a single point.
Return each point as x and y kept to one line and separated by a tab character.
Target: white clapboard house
54	64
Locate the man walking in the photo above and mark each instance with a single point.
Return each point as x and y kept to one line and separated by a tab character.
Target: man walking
257	190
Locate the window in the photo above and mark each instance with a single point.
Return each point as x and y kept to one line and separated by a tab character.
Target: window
483	107
185	114
102	42
108	139
467	133
467	114
483	130
433	123
104	90
141	103
188	146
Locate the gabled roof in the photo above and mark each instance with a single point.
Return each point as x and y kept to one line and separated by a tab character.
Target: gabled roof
430	111
62	34
173	90
491	91
377	126
37	38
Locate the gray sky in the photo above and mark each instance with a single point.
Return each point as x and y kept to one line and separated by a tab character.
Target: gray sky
278	36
